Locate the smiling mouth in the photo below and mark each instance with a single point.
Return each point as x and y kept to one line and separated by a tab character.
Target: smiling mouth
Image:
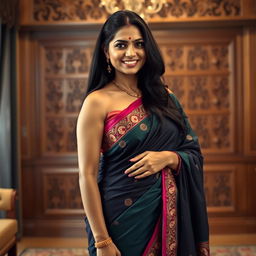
130	62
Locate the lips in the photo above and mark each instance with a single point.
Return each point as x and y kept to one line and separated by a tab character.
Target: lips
130	63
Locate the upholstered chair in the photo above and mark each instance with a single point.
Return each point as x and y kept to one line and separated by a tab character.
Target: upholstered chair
8	225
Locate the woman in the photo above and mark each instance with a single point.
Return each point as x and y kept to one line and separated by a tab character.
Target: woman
147	197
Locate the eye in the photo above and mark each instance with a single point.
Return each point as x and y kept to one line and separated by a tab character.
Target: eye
140	44
120	45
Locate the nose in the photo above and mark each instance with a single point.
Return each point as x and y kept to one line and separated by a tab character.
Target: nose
130	52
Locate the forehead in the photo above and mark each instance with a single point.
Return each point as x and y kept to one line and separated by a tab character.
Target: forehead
127	32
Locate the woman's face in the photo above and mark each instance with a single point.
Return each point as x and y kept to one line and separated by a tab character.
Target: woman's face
126	50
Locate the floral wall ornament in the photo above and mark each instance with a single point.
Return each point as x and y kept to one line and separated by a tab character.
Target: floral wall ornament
143	7
98	10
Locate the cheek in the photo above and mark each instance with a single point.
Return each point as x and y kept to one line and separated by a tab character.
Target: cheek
114	55
143	55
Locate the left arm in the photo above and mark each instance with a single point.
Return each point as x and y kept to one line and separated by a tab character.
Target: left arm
151	162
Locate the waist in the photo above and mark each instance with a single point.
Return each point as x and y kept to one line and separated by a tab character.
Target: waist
118	195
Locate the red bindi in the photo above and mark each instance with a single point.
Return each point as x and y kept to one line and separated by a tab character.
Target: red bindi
129	38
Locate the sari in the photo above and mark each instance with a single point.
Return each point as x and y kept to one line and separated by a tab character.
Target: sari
162	214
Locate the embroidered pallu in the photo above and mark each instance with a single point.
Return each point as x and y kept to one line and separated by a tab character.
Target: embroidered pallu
165	213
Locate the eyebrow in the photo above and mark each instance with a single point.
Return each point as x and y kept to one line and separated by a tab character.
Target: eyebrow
125	41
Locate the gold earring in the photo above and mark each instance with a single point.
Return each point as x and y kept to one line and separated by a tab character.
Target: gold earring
109	69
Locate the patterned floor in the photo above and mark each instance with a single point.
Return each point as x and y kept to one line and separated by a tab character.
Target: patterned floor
215	251
233	251
54	252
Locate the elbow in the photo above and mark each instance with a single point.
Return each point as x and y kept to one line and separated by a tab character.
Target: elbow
85	177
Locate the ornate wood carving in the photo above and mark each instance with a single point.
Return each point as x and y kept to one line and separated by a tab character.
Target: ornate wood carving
64	95
63	88
198	57
65	60
54	95
75	94
61	191
199	74
55	134
204	71
77	10
213	131
175	54
54	60
60	10
219	189
198	96
201	8
60	135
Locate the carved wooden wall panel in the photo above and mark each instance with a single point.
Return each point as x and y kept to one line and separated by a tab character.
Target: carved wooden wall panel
219	188
60	12
201	74
63	10
61	191
63	76
204	68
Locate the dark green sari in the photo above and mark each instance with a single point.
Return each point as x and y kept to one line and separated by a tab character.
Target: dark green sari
163	214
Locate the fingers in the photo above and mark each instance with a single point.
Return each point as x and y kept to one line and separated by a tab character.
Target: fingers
138	171
134	167
146	164
138	157
144	175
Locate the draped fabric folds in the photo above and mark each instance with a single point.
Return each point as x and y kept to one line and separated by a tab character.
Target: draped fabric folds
165	213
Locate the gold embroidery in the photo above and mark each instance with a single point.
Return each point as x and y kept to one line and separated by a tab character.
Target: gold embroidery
122	143
128	202
143	127
171	224
203	249
123	126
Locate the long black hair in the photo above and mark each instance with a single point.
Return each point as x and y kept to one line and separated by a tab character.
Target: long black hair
155	97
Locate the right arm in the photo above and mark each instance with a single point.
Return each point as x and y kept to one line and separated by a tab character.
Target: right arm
90	126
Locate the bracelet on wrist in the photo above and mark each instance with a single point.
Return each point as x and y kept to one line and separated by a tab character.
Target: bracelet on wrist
103	243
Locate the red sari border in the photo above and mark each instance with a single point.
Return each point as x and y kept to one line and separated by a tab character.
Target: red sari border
154	243
203	249
122	123
169	230
164	238
122	114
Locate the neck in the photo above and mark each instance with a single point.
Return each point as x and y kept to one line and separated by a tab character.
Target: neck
128	81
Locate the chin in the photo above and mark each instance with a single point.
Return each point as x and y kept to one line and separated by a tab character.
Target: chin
133	71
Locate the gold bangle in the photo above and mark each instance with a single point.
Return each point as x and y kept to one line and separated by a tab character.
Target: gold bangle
103	243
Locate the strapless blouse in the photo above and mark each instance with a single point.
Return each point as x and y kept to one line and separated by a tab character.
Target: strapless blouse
112	114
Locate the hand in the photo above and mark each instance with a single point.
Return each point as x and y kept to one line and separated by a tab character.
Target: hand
110	250
151	162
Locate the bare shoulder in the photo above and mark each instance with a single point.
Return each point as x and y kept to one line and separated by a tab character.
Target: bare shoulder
94	105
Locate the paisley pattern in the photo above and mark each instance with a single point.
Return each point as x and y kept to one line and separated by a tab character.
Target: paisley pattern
169	204
118	130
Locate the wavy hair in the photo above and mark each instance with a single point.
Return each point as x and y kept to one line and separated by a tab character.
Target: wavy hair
155	98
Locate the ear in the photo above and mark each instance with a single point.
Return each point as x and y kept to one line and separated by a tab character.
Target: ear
106	52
